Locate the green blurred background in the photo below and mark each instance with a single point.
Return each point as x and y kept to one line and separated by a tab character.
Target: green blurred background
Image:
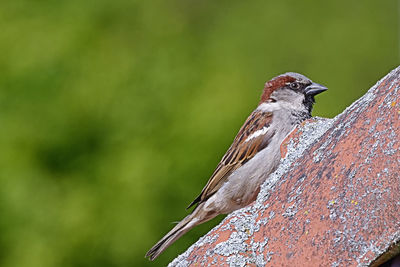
113	114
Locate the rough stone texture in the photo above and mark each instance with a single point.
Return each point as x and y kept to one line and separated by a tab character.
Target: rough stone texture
334	200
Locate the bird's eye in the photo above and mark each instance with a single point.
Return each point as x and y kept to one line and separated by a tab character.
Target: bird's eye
294	85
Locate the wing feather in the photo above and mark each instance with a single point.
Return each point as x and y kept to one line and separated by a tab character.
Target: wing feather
242	150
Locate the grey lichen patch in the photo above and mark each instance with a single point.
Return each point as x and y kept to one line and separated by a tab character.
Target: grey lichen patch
332	209
260	261
271	214
262	244
232	246
391	252
351	236
290	211
183	263
236	260
391	248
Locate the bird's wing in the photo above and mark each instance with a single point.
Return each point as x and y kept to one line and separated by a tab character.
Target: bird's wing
252	137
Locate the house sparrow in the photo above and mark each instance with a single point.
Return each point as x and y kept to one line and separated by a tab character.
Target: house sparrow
286	101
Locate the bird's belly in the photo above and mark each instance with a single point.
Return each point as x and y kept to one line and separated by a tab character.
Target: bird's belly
243	185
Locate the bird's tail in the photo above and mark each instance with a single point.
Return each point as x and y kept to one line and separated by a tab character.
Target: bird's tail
197	217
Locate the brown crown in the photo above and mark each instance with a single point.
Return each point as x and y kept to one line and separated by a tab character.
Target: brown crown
274	84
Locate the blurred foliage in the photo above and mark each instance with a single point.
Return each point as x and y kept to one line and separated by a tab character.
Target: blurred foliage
113	114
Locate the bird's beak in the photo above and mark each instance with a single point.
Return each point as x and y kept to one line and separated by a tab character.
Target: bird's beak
314	89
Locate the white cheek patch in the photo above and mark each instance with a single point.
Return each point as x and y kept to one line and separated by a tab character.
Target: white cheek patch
269	107
291	102
257	133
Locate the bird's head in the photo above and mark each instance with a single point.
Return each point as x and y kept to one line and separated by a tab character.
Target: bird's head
292	89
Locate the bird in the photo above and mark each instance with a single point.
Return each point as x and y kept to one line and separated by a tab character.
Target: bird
286	101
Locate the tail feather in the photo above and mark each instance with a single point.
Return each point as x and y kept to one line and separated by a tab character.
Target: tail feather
197	217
